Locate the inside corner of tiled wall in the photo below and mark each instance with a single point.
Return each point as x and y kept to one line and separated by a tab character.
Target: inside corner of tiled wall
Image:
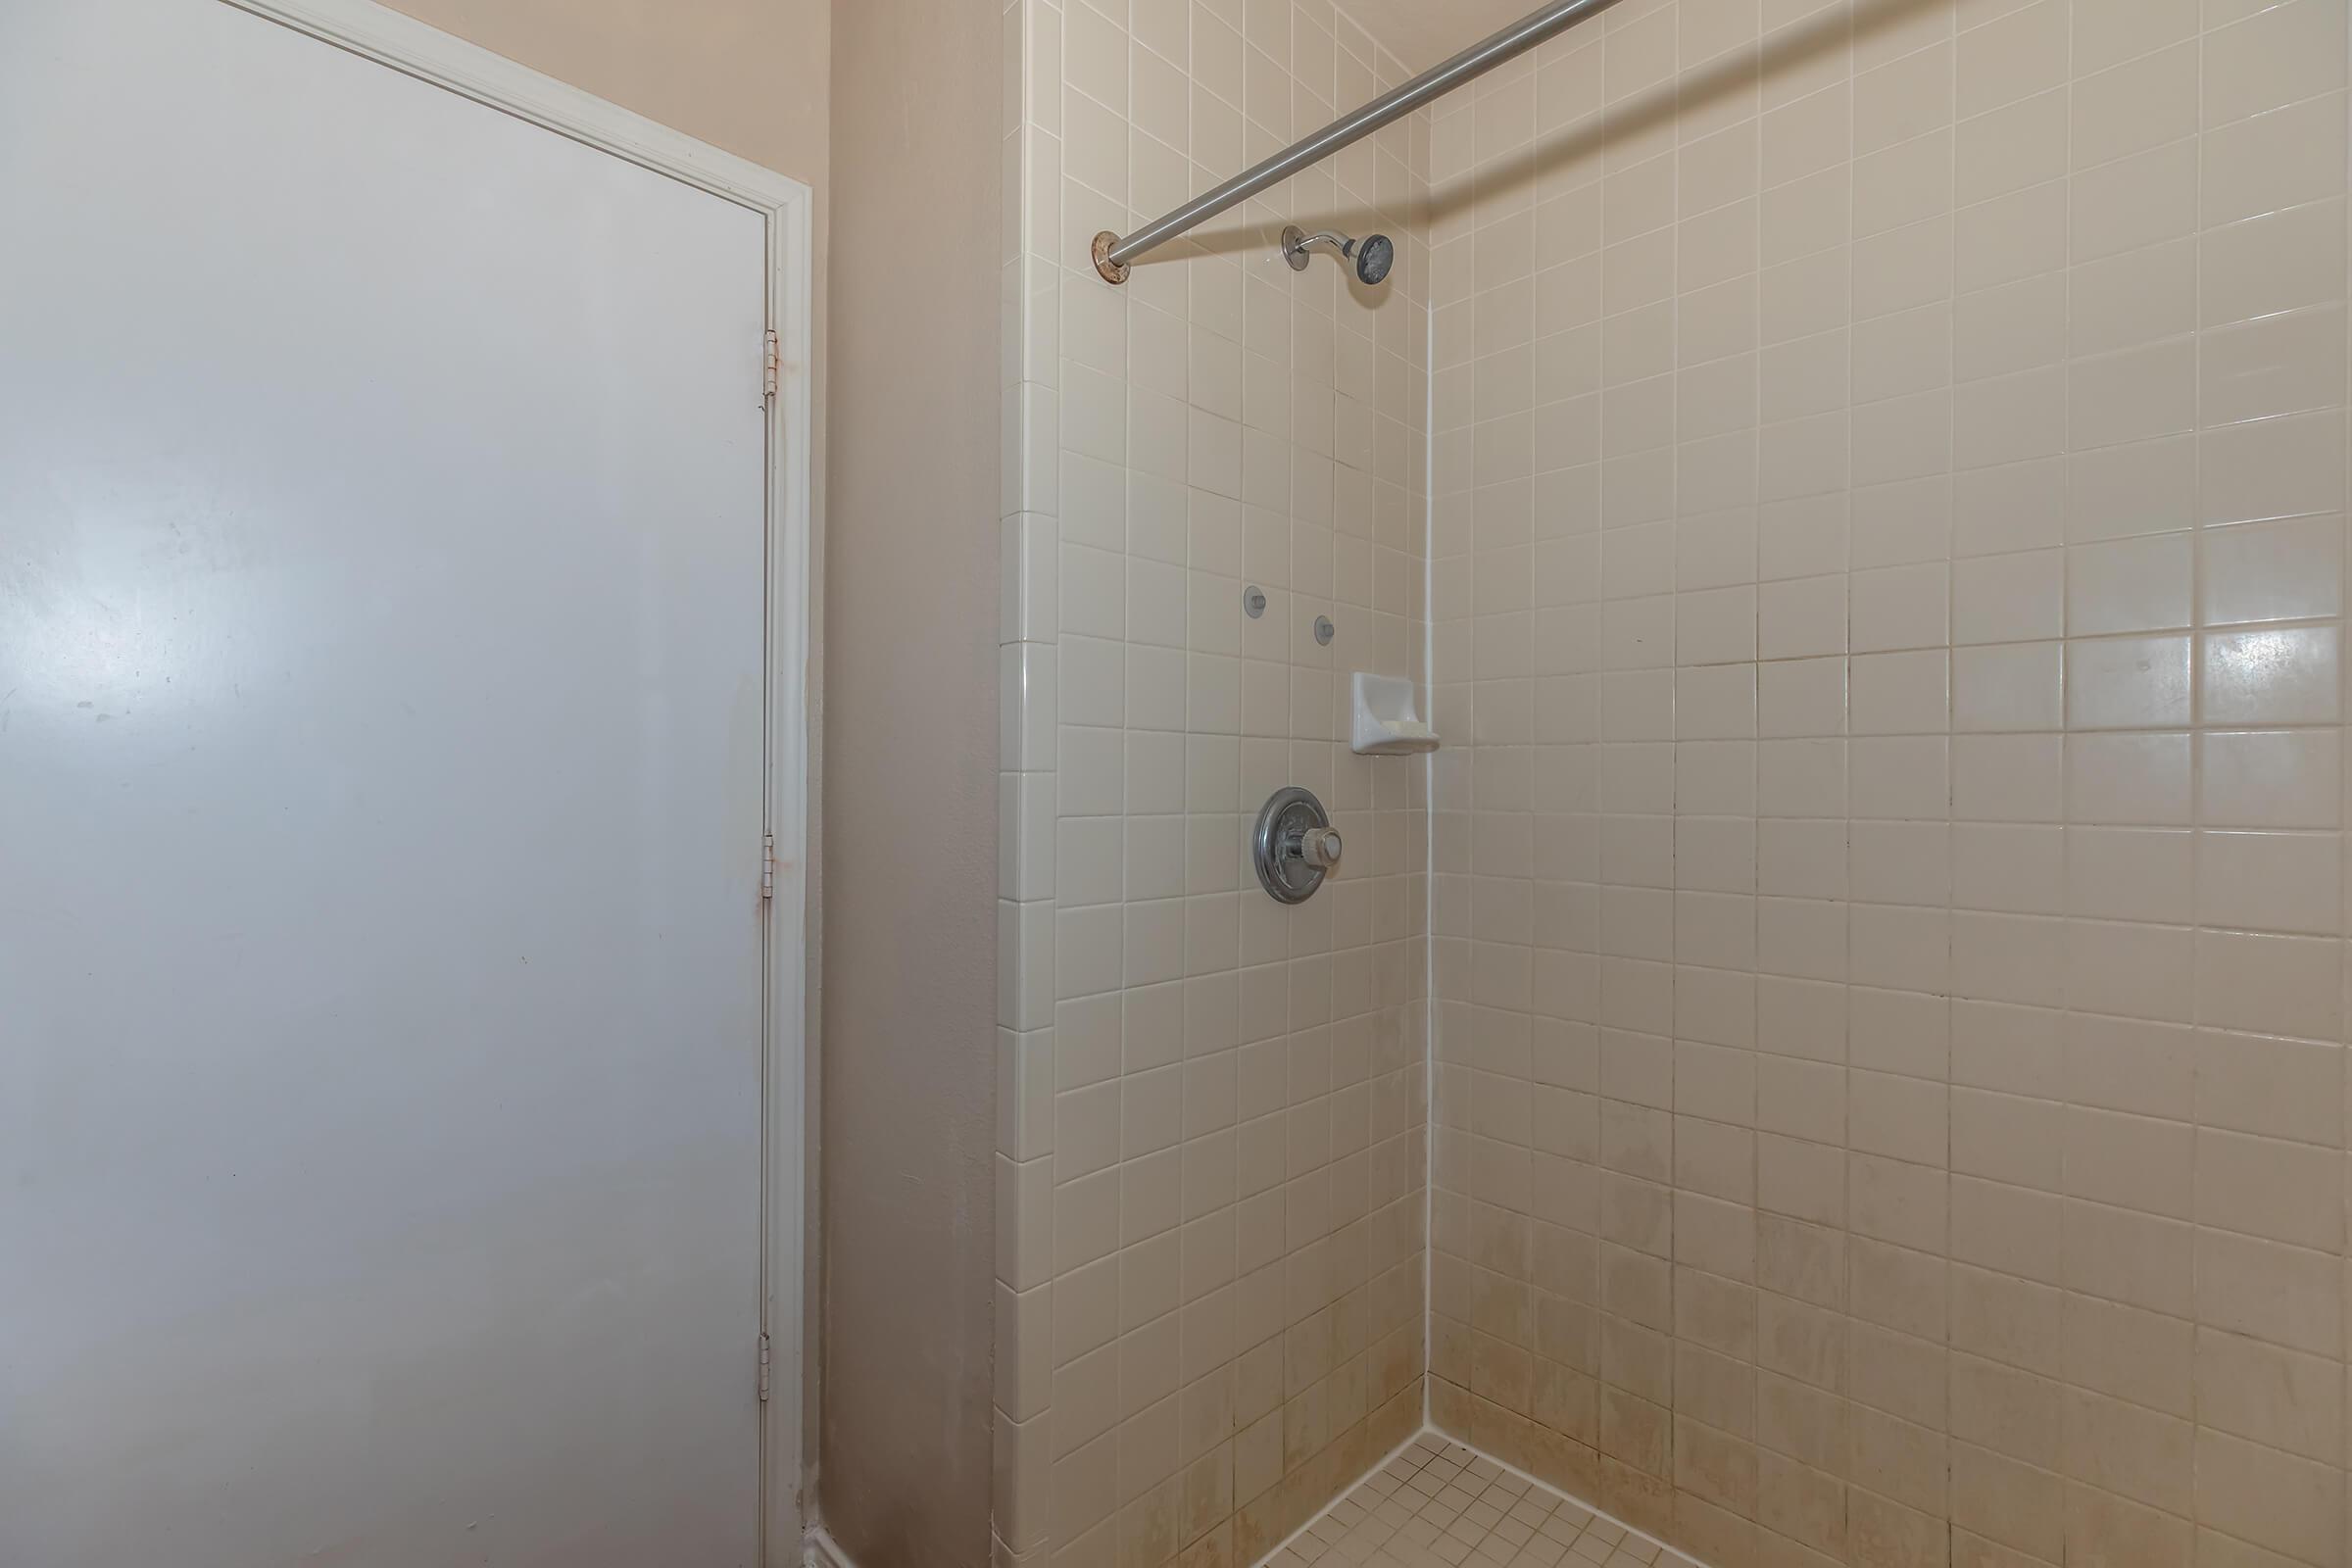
1838	1059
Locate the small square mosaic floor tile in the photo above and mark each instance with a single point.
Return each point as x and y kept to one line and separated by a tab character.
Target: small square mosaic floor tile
1440	1504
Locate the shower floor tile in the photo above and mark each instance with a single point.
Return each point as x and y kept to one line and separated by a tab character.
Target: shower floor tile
1438	1503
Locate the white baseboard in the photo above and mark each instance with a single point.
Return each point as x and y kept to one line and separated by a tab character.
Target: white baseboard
824	1552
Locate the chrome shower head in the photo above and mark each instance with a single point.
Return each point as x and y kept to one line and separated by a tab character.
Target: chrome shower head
1373	255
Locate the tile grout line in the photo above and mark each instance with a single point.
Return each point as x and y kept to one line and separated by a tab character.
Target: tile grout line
1429	803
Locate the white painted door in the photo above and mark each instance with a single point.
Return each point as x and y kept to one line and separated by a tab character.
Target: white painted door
382	767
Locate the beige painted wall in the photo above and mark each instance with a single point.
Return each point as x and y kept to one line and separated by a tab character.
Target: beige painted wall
911	807
749	76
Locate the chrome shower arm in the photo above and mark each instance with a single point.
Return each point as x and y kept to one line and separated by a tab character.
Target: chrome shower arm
1112	254
1372	254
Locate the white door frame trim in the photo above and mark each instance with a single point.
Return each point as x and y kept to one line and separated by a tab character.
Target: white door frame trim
418	50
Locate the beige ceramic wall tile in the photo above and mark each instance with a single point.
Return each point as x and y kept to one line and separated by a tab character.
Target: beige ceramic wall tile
1214	1145
1886	552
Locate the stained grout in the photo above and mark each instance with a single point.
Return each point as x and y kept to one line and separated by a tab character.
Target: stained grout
1439	1503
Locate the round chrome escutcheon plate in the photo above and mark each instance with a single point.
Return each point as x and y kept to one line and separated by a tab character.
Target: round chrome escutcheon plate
1295	847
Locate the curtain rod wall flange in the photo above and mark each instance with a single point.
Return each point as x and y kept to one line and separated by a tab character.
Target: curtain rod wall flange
1112	271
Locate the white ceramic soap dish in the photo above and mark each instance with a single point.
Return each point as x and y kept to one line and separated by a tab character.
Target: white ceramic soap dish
1388	722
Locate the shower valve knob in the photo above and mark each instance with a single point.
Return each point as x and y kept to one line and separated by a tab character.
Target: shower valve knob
1317	847
1296	846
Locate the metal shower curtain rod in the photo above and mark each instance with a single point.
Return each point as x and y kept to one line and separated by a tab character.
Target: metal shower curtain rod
1112	253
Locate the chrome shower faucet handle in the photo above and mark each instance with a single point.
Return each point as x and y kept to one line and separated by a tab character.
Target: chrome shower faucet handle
1296	847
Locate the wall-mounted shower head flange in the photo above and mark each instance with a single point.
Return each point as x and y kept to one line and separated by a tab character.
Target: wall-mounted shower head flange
1294	247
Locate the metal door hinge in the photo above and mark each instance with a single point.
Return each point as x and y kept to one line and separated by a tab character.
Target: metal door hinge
771	367
763	1365
768	866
